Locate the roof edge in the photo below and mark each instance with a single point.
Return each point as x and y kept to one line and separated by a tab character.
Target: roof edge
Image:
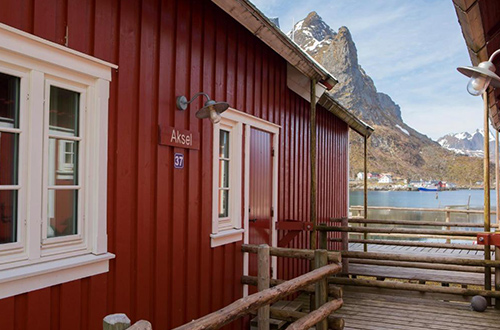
256	22
329	103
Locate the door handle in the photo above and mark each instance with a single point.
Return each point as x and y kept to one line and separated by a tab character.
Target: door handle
252	220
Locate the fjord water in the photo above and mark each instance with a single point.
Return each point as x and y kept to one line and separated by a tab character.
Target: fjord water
423	199
457	199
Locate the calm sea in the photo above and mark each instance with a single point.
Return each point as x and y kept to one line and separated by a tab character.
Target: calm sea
424	199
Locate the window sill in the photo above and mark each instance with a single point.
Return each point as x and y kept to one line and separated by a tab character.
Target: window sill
226	237
41	275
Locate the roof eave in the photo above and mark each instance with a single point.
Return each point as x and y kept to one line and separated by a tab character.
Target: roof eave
329	103
256	22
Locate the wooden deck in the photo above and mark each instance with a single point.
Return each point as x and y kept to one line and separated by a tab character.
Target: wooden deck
416	274
382	311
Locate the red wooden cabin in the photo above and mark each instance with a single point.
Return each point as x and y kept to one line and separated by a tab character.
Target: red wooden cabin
112	199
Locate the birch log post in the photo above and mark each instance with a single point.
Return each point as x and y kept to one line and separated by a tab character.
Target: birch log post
263	284
321	295
117	321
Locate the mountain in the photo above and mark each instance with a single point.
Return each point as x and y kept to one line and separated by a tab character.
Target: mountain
394	147
467	144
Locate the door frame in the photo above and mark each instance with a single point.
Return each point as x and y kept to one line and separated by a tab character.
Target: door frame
250	122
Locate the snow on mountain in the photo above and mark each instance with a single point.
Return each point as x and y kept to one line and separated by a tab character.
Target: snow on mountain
403	130
466	143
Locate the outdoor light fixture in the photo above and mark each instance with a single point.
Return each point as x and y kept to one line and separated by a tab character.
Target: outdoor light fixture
212	109
481	76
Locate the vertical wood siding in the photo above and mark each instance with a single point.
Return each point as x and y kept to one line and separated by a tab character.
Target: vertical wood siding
159	218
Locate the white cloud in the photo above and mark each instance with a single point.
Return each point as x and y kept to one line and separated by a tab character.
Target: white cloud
411	50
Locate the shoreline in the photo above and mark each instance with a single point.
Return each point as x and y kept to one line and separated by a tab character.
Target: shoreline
400	187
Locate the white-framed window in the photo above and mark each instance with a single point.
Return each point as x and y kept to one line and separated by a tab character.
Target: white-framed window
53	163
227	182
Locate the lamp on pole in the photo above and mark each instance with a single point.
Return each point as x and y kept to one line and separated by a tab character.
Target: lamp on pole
481	77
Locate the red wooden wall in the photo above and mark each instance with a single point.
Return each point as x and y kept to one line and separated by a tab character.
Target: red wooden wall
159	219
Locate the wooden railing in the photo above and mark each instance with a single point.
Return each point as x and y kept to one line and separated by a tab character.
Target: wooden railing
389	228
267	295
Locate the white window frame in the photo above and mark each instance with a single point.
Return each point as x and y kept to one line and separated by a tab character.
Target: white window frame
36	261
228	229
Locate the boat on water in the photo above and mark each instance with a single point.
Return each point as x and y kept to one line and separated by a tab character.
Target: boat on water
428	188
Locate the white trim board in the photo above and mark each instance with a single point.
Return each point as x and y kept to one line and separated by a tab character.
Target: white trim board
33	277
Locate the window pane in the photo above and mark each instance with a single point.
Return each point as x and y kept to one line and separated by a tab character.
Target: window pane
8	158
9	101
224	174
63	160
223	203
62	213
8	216
224	144
64	111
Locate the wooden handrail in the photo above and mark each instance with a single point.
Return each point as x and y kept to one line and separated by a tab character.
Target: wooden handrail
333	291
317	315
413	243
417	209
399	231
417	258
413	287
417	223
250	303
334	257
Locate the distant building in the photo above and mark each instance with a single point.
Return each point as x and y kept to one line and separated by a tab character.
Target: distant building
385	178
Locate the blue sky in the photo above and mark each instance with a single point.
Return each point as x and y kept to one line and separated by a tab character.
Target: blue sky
410	49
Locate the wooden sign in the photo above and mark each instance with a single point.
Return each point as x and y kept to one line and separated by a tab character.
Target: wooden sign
171	136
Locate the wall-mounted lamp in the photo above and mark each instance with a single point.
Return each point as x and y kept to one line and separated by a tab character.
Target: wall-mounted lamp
481	76
211	109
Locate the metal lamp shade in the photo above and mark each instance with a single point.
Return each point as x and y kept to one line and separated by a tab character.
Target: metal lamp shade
219	107
484	69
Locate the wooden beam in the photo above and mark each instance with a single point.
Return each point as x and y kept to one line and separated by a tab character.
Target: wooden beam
291	253
413	287
417	223
333	291
421	258
365	189
321	292
313	148
316	316
419	265
486	184
334	322
263	284
397	230
417	244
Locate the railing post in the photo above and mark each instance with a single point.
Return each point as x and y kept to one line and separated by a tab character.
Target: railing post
262	284
345	246
321	295
116	322
497	273
323	239
447	220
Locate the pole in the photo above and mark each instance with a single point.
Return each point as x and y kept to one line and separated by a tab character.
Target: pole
313	163
263	280
365	188
497	170
487	213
